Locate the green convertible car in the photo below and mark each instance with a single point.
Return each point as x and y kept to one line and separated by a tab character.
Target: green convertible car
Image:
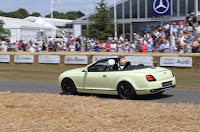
116	76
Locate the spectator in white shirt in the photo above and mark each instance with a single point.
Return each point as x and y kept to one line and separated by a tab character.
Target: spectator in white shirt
121	38
180	29
166	47
1	47
198	30
146	35
32	47
157	33
115	38
174	29
126	48
4	46
132	47
171	47
72	47
173	39
113	46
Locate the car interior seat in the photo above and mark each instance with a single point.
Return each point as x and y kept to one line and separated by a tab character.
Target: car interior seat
127	65
115	67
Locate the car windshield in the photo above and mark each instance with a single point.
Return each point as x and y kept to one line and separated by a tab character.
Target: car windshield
98	67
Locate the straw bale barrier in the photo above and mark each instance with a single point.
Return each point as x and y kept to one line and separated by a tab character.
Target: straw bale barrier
156	56
50	113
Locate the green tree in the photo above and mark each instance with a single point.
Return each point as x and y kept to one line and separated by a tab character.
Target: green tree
36	14
62	16
72	15
80	14
2	13
15	14
24	12
101	25
4	33
57	14
48	16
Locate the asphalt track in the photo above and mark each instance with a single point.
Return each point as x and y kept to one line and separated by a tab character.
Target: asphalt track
171	96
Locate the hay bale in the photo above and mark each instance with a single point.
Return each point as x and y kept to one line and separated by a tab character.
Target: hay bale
46	112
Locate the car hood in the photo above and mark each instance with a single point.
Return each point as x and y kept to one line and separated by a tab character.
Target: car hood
77	69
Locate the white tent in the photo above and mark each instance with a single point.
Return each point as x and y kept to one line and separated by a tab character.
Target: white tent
23	29
54	21
60	24
43	22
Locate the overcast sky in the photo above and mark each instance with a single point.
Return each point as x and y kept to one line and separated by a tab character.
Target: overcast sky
43	6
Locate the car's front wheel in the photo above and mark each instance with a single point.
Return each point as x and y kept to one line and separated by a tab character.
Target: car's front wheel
68	87
126	91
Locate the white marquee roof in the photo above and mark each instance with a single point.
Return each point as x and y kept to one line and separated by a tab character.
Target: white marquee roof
54	21
21	23
42	22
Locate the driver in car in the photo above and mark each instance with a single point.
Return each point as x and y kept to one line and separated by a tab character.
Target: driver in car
112	66
122	64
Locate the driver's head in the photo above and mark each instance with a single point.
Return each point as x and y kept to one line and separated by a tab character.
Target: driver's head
111	62
122	62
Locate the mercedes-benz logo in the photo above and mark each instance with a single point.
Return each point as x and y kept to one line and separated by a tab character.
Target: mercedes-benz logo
161	5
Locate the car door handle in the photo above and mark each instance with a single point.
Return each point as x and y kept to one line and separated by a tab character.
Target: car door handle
104	76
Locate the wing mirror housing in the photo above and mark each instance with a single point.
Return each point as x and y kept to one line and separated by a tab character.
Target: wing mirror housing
85	70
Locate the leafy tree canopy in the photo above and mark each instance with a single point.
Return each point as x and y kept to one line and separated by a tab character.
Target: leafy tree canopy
80	14
72	15
23	12
1	13
20	13
4	33
15	14
101	25
36	14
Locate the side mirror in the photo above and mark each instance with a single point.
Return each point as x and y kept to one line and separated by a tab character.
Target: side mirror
85	70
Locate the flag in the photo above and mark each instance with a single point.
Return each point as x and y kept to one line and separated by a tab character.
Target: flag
55	1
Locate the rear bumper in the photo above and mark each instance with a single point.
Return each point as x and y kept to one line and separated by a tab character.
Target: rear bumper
161	89
153	91
155	87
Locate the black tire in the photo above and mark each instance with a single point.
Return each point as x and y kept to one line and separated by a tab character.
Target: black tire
159	93
126	91
68	87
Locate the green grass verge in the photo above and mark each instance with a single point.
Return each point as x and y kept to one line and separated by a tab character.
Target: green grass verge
186	78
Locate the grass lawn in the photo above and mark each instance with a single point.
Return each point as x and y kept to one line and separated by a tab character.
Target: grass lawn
186	78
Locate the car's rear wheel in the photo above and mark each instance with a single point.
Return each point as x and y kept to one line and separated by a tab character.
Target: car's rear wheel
126	91
68	87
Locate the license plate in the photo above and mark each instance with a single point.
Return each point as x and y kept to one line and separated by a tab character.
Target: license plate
167	84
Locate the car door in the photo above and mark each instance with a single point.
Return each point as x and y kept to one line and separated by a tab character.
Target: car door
95	77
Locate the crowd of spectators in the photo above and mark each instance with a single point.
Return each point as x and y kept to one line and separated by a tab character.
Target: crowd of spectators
174	37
